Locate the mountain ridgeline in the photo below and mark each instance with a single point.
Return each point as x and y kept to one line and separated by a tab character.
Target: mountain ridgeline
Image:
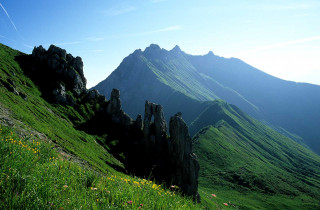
238	152
144	148
243	161
187	83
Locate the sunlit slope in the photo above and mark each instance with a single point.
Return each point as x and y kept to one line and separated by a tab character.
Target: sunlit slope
182	82
292	106
237	152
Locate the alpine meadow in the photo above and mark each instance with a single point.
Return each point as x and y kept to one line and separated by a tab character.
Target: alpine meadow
159	104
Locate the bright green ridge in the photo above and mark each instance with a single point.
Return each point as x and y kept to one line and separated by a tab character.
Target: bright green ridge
252	164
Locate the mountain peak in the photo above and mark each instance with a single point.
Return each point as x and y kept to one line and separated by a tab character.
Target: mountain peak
176	49
152	47
210	53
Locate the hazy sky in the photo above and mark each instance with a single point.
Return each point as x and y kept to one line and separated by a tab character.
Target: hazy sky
280	37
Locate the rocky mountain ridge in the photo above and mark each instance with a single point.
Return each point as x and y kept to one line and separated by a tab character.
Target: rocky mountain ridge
187	83
147	147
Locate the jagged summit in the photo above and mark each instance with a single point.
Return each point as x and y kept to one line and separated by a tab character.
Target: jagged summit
152	48
156	50
176	49
210	53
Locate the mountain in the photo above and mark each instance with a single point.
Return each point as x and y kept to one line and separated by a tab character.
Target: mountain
185	83
239	153
65	147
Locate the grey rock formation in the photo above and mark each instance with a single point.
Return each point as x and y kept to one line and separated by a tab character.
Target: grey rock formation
114	106
114	109
139	122
92	95
60	63
183	160
60	94
172	156
159	124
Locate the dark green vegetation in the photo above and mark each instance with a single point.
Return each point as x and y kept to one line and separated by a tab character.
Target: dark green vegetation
259	167
182	82
82	174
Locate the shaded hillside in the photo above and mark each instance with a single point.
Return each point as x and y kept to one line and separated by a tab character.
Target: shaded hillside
182	82
167	78
237	152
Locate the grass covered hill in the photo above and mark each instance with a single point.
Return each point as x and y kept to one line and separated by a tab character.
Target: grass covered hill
49	160
46	162
183	82
260	167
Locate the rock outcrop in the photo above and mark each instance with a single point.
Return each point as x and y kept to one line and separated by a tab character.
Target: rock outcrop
63	69
183	160
114	109
166	158
154	132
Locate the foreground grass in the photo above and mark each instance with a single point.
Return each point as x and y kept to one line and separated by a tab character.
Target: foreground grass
252	165
34	176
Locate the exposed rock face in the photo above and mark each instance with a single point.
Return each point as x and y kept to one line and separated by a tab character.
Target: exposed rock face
168	159
172	156
154	132
61	64
114	109
139	122
183	160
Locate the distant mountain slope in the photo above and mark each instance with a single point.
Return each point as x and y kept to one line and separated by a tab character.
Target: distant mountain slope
182	82
236	151
165	77
293	106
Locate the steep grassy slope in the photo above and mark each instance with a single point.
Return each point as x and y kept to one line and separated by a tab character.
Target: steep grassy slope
238	153
47	163
181	82
34	176
52	121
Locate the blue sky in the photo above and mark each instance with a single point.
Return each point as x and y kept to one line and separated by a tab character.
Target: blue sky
280	37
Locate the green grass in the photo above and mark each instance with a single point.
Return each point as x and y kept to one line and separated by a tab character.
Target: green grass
54	121
251	164
34	176
51	164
